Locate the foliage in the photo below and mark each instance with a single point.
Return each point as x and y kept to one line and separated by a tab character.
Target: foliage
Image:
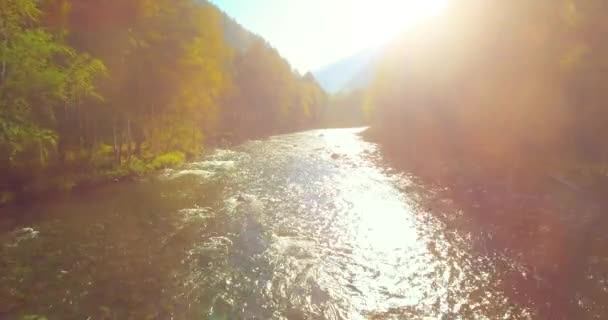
38	74
167	160
126	86
266	98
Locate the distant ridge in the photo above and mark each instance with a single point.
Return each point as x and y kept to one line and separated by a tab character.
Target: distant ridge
348	74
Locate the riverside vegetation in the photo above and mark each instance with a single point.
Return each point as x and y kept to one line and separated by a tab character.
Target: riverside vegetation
94	91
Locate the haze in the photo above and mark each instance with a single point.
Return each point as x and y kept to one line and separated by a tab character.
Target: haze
315	33
168	159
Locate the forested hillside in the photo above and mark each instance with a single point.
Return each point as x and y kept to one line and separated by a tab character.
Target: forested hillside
91	90
512	88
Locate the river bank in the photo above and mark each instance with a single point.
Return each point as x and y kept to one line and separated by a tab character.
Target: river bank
91	171
81	175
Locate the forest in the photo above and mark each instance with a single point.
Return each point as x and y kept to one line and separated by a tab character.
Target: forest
506	89
94	90
160	161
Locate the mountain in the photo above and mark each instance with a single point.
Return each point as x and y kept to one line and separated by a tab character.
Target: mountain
237	36
348	74
344	76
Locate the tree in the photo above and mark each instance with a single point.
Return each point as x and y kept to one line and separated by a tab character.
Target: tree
34	80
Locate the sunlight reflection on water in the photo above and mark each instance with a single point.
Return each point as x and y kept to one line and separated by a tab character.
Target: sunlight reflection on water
359	241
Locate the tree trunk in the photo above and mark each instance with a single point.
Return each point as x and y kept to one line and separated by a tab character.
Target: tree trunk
3	71
61	150
138	139
194	142
94	133
81	127
3	68
119	156
129	140
62	145
138	147
115	147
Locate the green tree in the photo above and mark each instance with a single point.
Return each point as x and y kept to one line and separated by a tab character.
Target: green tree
36	77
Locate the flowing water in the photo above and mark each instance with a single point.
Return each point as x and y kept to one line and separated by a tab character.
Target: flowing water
311	225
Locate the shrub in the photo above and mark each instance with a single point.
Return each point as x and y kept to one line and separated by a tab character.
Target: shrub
167	160
138	167
102	157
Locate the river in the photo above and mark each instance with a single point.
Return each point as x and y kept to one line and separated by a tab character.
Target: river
311	225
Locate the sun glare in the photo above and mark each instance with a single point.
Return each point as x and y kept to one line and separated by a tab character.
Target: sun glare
385	19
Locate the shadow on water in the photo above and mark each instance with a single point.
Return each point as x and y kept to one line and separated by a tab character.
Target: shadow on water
311	225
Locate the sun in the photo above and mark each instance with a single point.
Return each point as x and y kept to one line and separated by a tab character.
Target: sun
385	19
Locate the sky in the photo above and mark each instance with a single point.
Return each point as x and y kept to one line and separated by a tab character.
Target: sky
311	34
